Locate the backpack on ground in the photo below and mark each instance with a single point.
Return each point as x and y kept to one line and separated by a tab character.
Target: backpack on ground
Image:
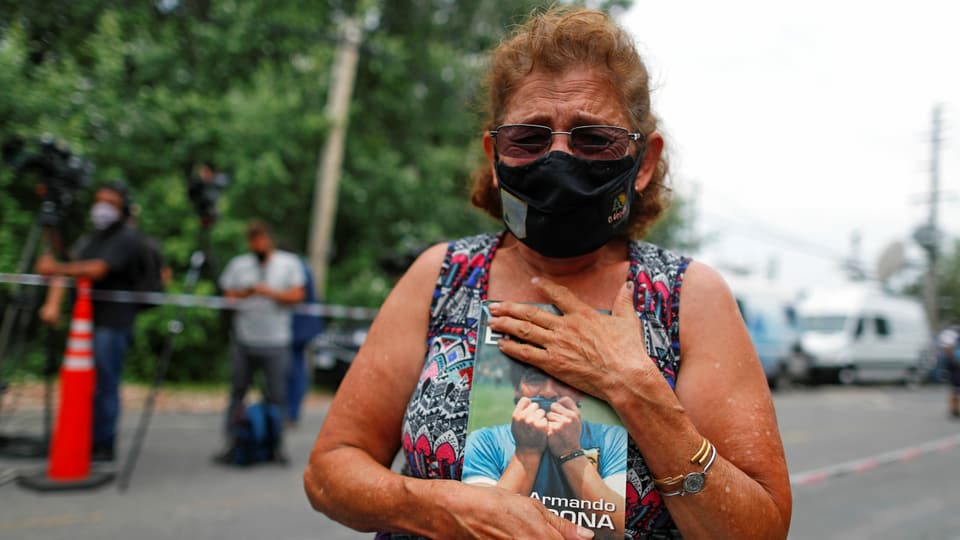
257	436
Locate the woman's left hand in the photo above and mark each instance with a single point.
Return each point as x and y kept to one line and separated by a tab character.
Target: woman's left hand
583	348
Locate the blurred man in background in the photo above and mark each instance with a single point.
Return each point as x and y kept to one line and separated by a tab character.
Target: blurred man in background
305	327
272	281
951	364
110	257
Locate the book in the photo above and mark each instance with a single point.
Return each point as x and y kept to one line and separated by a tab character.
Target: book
530	433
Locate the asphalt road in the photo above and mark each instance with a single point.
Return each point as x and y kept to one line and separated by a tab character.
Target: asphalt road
177	493
915	497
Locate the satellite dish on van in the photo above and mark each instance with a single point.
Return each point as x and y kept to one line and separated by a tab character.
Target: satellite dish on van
891	260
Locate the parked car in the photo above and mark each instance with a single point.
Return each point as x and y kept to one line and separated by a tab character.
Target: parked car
861	333
332	351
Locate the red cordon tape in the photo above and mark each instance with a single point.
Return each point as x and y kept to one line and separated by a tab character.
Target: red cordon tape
193	300
872	462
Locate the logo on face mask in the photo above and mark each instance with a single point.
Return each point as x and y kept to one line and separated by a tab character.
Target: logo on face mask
619	210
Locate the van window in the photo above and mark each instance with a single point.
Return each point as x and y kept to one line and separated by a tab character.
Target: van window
859	330
791	315
881	326
825	324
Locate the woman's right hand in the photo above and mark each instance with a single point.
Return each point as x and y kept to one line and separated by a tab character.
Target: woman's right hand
493	513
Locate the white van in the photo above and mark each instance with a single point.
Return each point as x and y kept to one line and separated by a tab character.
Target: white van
861	333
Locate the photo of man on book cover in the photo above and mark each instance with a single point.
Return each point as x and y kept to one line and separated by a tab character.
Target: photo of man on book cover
531	434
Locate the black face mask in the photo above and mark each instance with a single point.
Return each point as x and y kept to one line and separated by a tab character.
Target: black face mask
564	206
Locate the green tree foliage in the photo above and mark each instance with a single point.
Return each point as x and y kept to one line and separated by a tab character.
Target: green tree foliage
149	90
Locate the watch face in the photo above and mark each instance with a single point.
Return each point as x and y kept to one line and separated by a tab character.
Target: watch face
693	483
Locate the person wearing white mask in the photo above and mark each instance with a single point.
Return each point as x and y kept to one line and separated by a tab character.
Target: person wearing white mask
107	257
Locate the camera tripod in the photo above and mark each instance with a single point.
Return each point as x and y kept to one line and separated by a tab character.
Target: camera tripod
200	263
20	308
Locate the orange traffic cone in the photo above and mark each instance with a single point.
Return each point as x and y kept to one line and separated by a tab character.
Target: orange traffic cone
68	466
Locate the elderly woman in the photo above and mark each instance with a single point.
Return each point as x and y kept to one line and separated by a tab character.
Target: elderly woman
576	171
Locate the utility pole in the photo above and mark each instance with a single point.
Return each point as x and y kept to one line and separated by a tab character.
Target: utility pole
854	265
331	156
933	247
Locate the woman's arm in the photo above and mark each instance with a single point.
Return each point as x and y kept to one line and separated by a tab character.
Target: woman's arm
721	394
348	476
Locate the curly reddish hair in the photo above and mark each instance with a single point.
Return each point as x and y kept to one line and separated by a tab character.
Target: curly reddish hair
555	41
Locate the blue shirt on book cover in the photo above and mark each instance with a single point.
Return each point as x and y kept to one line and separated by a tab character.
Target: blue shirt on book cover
489	450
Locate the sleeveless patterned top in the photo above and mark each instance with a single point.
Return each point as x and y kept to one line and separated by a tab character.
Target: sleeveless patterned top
435	423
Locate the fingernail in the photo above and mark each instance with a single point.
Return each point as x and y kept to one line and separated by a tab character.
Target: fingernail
494	307
584	532
629	285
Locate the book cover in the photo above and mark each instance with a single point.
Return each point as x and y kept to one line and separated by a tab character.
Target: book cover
532	434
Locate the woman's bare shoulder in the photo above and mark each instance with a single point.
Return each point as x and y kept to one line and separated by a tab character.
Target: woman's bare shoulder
427	264
368	409
417	283
704	290
405	312
710	322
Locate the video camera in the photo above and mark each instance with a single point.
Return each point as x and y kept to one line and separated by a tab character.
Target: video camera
58	174
204	187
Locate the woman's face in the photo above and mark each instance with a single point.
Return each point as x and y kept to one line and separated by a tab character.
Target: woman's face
579	97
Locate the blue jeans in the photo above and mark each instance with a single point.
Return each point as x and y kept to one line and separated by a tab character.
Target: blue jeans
296	382
110	347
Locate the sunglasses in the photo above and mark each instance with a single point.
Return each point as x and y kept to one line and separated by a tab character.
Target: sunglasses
528	142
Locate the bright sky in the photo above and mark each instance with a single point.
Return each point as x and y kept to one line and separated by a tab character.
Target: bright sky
795	125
